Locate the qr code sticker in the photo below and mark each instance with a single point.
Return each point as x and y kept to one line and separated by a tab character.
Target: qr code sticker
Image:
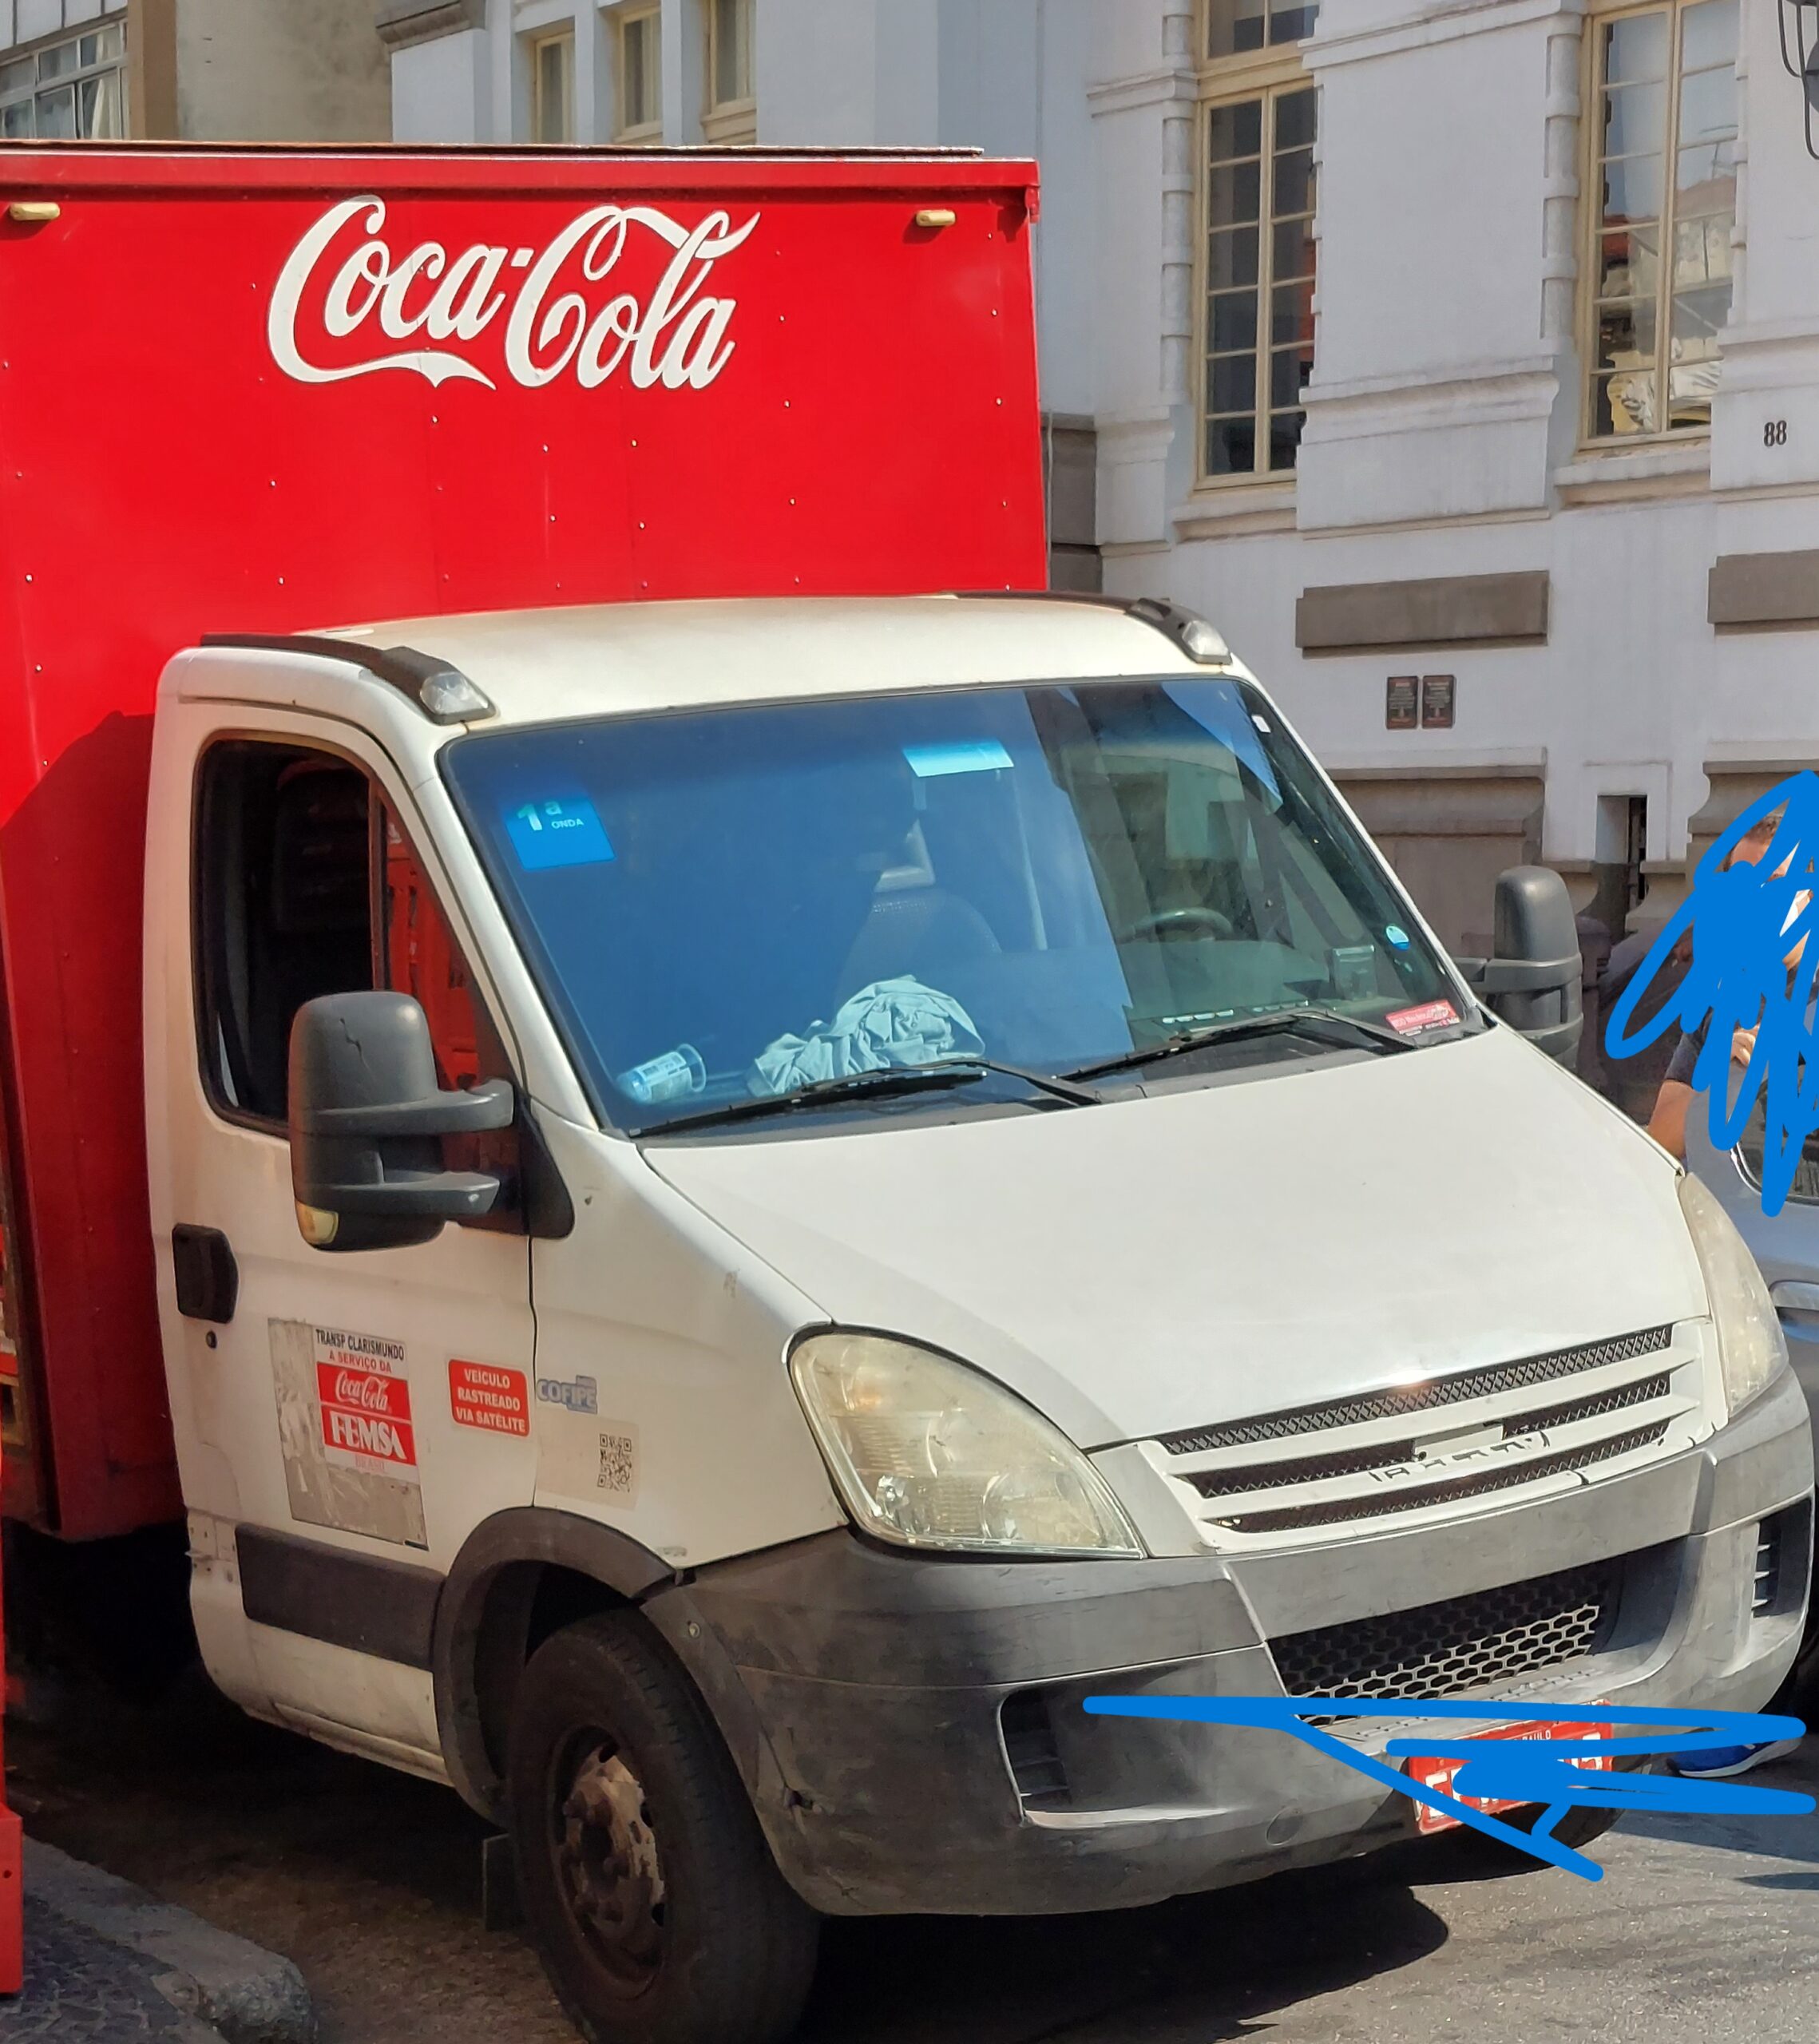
616	1464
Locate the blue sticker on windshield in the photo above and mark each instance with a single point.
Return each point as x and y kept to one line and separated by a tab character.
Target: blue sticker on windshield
966	755
568	832
1398	936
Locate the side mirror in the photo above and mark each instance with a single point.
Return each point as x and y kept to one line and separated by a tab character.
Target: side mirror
1533	981
367	1117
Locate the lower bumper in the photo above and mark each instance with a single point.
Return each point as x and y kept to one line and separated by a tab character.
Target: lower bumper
921	1745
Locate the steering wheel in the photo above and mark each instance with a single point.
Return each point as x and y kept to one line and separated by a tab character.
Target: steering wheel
1170	923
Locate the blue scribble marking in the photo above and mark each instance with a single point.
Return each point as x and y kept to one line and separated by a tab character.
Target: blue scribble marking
1745	922
1524	1772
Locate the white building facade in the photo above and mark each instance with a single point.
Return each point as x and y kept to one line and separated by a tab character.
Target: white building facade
1460	358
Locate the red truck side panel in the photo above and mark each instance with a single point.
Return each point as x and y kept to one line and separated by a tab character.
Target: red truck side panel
261	391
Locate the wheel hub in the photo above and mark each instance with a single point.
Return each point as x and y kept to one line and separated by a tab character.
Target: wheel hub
611	1876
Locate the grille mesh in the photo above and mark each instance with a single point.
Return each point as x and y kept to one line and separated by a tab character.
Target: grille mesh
1529	1470
1400	1399
1466	1643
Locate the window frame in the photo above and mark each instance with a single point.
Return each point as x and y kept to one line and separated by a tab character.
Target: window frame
641	133
110	70
1598	14
562	39
729	122
1266	75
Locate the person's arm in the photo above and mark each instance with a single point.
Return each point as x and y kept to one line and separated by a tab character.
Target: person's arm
1668	1123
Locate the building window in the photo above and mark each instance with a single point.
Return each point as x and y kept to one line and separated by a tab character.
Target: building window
1236	27
553	88
1664	179
639	34
1258	118
71	91
731	115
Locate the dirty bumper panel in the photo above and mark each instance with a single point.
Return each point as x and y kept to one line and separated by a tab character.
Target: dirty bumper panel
925	1748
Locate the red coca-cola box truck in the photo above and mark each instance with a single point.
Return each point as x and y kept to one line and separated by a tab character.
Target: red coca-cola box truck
716	1180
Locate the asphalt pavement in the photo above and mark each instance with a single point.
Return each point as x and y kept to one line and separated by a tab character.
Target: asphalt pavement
371	1882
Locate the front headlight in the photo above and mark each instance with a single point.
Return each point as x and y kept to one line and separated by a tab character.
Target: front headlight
927	1453
1751	1347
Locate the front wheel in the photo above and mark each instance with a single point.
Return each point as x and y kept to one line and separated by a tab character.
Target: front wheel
649	1890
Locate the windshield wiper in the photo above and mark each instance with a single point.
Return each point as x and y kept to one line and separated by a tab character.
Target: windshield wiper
1308	1021
937	1075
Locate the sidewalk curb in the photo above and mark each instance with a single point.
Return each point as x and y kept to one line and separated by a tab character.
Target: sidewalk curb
249	1994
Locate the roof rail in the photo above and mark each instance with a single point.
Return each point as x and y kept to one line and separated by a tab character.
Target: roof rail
1186	630
442	692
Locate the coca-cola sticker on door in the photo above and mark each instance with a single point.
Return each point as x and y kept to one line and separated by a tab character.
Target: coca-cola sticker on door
365	1400
615	291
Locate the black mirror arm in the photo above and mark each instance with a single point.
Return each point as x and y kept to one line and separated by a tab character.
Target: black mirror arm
474	1112
1496	976
432	1195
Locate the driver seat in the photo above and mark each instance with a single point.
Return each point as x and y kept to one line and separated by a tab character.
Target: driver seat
916	932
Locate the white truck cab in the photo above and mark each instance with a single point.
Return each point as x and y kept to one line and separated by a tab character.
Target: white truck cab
756	1197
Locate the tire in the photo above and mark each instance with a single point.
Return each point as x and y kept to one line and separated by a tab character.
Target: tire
647	1887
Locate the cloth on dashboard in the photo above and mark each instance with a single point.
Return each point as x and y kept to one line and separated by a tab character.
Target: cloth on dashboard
891	1022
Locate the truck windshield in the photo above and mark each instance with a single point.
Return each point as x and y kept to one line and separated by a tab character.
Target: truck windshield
739	901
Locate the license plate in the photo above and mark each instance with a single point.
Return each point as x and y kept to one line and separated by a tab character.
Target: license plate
1433	1773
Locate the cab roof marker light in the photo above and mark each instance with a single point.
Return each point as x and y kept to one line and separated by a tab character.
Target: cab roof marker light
1203	644
443	693
1200	641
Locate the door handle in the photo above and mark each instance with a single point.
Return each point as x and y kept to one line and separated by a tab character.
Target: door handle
208	1278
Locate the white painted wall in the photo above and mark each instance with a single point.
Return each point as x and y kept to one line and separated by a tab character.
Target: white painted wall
441	91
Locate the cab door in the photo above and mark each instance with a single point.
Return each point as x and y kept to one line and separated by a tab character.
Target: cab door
349	1417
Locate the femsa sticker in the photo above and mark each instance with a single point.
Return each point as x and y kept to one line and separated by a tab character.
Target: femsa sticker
557	832
364	1396
1413	1021
493	1399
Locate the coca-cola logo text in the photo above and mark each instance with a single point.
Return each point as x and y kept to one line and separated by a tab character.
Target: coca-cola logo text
357	288
369	1394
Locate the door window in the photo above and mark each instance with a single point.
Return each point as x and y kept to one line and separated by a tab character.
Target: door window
307	885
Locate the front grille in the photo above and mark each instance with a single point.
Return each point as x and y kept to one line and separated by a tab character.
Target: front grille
1232	1479
1337	1511
1443	1442
1466	1643
1400	1399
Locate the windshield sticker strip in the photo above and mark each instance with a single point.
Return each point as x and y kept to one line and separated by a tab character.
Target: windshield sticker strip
557	833
969	755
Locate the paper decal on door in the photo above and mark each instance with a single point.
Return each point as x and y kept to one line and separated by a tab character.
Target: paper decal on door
365	1400
496	1400
346	1432
582	1457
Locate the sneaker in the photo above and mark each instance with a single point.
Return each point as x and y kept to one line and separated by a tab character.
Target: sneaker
1716	1763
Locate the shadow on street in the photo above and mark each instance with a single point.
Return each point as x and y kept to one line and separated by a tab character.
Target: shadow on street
370	1880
